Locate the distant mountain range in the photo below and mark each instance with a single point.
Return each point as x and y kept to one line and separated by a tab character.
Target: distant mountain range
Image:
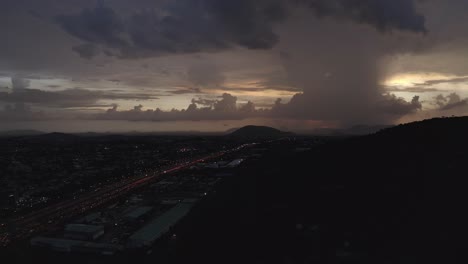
27	133
13	133
258	131
247	131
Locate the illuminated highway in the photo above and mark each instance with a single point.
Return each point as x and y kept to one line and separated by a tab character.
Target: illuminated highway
51	217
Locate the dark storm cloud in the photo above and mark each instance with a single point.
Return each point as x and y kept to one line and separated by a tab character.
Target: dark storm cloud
186	91
384	15
335	68
184	26
87	51
248	23
345	75
100	25
339	66
64	98
21	112
389	107
189	26
19	83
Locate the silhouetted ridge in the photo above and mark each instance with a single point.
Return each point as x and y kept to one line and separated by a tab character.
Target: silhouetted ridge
396	196
443	132
18	133
54	137
257	131
436	125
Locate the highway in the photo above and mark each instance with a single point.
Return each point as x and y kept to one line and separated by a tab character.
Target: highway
50	218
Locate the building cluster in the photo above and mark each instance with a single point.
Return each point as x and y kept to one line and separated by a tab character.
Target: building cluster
39	171
142	218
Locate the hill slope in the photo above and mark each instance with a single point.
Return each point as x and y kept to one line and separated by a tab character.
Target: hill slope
393	197
257	131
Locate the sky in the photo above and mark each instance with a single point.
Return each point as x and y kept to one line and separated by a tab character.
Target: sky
212	65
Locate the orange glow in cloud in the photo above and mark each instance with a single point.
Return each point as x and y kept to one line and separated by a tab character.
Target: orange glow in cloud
411	79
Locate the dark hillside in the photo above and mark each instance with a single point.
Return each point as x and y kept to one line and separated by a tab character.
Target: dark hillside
394	197
257	131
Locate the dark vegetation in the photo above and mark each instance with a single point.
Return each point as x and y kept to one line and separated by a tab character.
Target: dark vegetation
397	196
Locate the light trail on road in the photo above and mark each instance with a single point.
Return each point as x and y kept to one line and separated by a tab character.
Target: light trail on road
22	227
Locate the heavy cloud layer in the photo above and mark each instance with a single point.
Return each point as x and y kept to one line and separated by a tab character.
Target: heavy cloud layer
21	93
331	52
190	26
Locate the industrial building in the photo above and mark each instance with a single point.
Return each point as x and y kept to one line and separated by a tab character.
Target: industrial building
160	225
138	212
89	218
234	163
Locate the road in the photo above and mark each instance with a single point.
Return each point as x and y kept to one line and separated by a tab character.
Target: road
17	229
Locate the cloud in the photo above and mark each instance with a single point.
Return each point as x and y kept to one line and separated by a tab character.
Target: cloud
396	106
249	107
186	91
330	51
19	83
339	66
443	105
449	102
190	26
184	26
205	74
204	102
387	109
227	104
100	25
20	112
411	89
261	88
441	81
226	108
455	105
67	98
87	51
384	15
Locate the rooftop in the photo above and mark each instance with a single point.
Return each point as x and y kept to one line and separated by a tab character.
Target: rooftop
159	226
138	212
80	228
